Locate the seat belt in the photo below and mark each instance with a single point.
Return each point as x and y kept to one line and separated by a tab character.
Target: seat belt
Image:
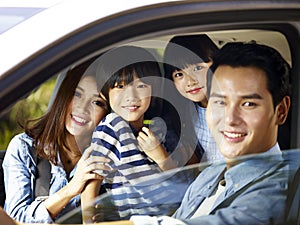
43	177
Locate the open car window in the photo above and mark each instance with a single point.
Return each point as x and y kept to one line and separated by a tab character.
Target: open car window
32	82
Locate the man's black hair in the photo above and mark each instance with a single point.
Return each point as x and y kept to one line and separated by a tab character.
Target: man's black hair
251	54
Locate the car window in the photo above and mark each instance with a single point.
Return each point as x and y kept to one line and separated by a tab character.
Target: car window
33	106
167	188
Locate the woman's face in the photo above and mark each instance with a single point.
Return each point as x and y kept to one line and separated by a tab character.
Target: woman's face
191	82
86	109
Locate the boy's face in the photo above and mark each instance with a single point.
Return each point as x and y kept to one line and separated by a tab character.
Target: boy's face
191	82
130	101
240	111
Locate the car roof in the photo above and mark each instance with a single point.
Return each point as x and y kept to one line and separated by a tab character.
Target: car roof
32	25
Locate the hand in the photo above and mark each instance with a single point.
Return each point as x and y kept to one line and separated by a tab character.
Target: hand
84	171
151	145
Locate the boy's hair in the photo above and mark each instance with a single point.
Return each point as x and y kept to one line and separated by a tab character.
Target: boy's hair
183	51
269	60
121	64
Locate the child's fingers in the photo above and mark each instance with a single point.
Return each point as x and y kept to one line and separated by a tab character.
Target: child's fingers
99	166
142	136
141	141
97	159
146	131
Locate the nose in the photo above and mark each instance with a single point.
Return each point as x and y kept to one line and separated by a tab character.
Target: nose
232	115
131	94
83	105
191	81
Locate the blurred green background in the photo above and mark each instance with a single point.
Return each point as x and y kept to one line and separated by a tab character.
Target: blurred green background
31	107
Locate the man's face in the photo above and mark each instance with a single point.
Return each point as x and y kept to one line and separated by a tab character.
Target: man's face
240	111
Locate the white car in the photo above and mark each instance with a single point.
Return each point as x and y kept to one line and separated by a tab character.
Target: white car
41	39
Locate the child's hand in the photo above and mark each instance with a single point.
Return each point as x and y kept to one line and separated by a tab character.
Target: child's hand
151	145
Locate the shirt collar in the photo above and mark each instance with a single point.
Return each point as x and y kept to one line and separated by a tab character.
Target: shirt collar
252	167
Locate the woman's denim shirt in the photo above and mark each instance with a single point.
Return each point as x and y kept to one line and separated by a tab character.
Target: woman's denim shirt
20	170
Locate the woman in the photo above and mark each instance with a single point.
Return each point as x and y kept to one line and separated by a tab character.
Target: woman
60	136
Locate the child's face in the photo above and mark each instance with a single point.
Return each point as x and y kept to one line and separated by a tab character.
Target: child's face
130	101
191	82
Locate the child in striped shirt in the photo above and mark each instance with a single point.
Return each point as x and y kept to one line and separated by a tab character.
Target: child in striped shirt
129	75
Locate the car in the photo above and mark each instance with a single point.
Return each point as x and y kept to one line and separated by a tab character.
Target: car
41	39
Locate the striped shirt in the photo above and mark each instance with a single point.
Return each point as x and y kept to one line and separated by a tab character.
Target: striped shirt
114	138
128	184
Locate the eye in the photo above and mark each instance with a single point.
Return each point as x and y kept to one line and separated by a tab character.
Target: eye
177	74
249	104
219	102
119	86
100	103
198	67
142	85
77	94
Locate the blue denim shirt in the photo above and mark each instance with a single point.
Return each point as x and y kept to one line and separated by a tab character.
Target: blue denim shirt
255	193
257	186
19	167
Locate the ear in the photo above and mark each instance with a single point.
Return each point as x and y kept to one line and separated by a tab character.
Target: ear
282	110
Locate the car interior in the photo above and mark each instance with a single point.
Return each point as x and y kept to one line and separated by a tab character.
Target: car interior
279	39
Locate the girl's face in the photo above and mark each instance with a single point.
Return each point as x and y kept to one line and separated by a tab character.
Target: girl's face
130	101
86	109
191	82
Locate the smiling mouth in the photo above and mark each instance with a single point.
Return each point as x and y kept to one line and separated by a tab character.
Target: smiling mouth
234	135
131	108
79	119
195	90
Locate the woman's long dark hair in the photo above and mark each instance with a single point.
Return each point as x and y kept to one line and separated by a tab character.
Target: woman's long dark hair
49	131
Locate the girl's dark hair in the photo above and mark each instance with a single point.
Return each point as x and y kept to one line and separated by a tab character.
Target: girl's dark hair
269	60
49	131
183	51
121	64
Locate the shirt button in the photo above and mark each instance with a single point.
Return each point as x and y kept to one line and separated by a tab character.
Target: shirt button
236	185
